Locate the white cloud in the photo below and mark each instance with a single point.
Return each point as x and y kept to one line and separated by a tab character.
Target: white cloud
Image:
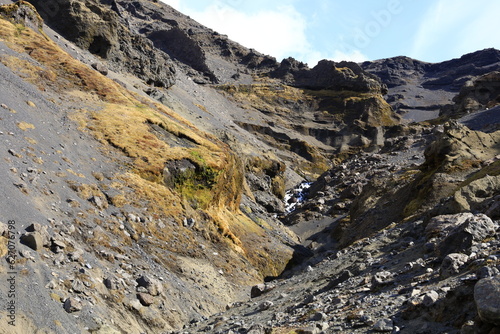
314	57
279	33
174	3
455	27
355	55
478	32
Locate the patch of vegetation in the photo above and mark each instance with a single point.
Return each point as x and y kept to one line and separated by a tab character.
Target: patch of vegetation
8	11
201	177
25	126
121	121
195	185
268	97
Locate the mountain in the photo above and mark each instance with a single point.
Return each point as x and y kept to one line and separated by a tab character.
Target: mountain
419	90
160	178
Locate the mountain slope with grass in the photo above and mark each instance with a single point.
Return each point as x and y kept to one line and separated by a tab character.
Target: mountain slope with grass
146	162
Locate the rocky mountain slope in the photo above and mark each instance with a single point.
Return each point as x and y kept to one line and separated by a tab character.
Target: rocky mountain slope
419	90
146	161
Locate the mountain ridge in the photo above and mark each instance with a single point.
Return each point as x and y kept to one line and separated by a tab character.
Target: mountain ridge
437	82
146	161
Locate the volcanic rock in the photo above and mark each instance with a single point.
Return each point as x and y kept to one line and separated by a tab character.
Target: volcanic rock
420	90
138	185
72	305
33	240
152	285
486	296
95	27
453	264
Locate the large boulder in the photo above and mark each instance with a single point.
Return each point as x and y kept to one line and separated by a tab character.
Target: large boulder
479	195
153	286
452	264
487	298
459	232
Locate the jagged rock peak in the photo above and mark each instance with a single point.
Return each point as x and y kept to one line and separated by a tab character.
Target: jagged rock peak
479	58
330	75
419	90
213	56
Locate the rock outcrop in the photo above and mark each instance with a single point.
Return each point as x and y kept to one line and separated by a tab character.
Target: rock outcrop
207	56
487	301
93	26
23	13
419	90
477	94
329	75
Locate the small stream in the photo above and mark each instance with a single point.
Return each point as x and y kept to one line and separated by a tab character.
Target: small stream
296	196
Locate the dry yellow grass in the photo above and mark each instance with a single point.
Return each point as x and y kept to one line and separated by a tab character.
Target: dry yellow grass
123	120
25	126
29	71
31	140
69	170
266	96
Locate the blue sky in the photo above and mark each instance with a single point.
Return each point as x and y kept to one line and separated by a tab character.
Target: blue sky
357	30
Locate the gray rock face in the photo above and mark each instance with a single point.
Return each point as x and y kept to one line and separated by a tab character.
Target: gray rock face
420	90
441	226
97	28
179	45
452	264
474	230
329	75
23	13
477	94
487	298
152	285
72	305
460	231
457	144
33	240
